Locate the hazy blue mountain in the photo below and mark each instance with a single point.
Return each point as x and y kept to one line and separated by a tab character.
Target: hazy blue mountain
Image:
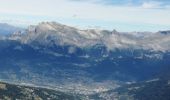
6	29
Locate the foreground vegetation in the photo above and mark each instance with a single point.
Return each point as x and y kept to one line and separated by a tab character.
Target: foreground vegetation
17	92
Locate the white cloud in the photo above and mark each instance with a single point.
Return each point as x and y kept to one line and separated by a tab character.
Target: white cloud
151	5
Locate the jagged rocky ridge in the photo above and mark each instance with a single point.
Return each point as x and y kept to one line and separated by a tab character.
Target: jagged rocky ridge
49	33
82	61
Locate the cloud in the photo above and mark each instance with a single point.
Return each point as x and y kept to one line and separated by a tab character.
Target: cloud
152	5
92	11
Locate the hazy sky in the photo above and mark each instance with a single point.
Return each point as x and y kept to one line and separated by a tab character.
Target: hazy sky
123	15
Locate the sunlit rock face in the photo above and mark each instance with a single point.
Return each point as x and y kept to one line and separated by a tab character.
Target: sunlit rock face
48	33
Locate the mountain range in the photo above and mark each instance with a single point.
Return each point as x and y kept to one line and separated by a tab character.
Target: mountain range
89	62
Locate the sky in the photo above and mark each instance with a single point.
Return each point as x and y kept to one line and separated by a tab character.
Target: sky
122	15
